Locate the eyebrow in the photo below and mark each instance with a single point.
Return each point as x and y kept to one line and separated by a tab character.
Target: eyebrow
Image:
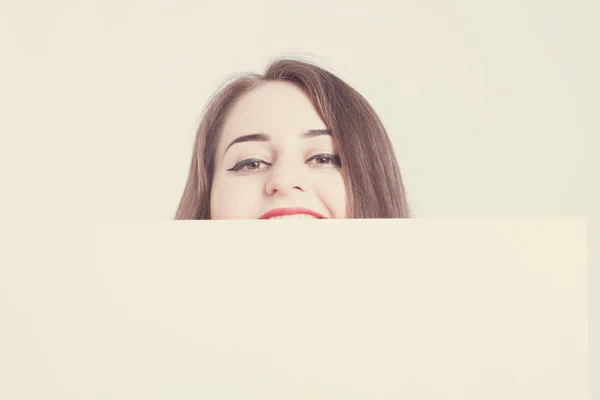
261	137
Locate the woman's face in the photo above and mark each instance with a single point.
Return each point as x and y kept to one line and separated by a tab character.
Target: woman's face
275	156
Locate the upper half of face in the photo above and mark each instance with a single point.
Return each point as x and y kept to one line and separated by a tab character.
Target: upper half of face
289	161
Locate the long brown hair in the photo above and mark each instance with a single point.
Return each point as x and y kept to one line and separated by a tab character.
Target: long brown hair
370	169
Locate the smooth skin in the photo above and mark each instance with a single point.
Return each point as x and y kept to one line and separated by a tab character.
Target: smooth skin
277	168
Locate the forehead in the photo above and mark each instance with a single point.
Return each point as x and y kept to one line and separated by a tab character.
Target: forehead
275	108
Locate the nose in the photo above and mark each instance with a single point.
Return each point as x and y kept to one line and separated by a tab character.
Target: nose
284	179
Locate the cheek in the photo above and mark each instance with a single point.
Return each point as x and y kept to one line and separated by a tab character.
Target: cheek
333	193
234	199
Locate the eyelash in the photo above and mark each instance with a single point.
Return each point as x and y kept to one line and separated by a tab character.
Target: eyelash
244	163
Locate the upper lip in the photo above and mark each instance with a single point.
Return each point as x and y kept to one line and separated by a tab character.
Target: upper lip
276	212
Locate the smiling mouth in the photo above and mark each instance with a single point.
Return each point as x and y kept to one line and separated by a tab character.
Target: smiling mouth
295	216
292	213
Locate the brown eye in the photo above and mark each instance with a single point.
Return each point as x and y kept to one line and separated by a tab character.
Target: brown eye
249	165
253	165
325	160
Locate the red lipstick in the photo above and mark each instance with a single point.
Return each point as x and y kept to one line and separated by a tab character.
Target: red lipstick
276	212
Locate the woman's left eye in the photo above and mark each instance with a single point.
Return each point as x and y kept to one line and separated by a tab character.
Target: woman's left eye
325	159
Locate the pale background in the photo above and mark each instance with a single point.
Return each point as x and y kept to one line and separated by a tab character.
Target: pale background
492	107
424	309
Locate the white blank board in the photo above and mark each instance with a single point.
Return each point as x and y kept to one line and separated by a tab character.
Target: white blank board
337	309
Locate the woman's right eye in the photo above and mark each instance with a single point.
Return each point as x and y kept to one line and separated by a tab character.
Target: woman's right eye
252	164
